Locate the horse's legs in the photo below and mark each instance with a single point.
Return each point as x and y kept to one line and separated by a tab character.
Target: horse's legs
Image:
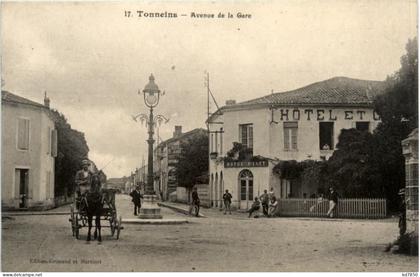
89	226
95	234
98	225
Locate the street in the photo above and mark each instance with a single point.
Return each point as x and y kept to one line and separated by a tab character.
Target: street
215	243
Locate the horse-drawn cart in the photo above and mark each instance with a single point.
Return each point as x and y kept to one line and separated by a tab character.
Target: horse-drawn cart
106	211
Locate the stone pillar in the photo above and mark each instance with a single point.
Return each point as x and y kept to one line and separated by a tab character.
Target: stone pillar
410	152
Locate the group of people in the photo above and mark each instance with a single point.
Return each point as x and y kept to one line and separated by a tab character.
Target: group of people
268	202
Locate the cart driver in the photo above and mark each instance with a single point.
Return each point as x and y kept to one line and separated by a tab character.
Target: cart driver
83	178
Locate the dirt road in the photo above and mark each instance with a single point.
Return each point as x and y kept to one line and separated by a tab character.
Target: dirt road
216	243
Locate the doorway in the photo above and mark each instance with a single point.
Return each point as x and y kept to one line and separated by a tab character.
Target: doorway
246	188
22	182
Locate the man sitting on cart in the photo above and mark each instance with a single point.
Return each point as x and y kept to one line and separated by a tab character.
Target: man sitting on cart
83	179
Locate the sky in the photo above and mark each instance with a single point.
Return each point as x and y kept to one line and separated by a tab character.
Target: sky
92	59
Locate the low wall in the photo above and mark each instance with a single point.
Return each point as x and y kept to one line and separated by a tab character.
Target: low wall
203	194
62	200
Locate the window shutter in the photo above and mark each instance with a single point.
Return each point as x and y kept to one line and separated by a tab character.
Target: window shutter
244	139
28	186
294	138
23	134
286	138
250	137
54	143
17	183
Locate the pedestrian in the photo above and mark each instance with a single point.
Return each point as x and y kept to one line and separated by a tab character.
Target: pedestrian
195	202
264	202
272	207
333	198
402	225
227	199
136	199
255	206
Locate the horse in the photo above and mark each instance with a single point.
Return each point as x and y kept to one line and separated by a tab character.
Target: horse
93	207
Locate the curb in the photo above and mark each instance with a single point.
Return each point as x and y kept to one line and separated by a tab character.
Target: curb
34	213
154	221
178	209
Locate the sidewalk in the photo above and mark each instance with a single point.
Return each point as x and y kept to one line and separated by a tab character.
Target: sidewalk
125	209
179	207
62	210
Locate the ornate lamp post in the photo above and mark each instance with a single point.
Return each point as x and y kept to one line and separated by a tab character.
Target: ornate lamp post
150	209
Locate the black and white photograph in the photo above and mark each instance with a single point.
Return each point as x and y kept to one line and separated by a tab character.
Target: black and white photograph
209	136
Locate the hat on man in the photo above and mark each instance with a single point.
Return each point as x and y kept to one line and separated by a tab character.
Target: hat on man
85	162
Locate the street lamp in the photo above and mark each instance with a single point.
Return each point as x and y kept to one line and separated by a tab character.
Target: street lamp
150	209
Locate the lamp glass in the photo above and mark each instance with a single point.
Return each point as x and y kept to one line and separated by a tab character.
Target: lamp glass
151	99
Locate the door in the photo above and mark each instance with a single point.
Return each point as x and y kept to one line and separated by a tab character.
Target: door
22	181
246	188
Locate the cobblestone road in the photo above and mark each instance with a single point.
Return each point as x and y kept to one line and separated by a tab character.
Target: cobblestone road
215	243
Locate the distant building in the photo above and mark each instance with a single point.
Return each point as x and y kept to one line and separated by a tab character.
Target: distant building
295	125
29	148
117	183
166	157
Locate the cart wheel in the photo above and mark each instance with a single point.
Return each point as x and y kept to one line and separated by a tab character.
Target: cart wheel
113	223
76	226
119	227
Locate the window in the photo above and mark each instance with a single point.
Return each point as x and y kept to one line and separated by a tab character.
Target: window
211	143
362	126
246	135
23	134
290	135
221	140
247	185
326	135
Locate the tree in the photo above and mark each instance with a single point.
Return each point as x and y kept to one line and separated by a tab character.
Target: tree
71	149
352	169
398	108
372	165
193	161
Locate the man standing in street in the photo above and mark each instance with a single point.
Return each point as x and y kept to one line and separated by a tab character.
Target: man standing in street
136	199
195	202
264	202
227	200
333	197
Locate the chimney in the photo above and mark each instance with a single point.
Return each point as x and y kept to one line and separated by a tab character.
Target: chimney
230	102
46	100
178	131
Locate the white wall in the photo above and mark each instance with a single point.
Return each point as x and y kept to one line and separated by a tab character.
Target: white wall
37	159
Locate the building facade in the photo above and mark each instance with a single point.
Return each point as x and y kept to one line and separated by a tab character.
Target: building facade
303	124
29	148
166	158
